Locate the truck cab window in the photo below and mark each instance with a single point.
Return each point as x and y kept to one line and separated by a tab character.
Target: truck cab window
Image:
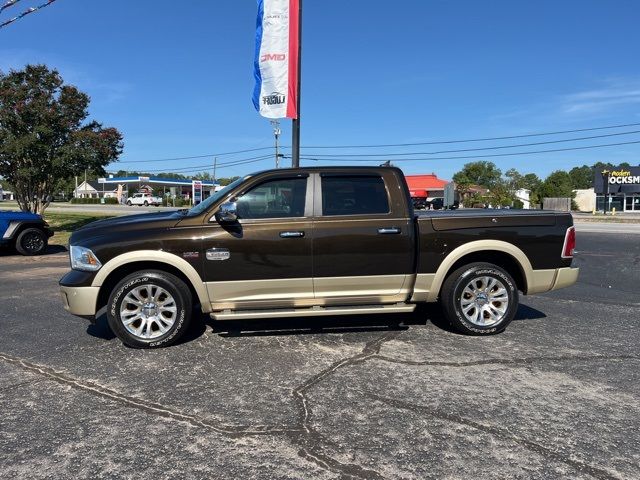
281	198
354	195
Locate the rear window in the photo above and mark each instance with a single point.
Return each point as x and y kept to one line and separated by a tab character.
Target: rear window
354	195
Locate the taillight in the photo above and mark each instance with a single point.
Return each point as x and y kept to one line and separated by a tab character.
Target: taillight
569	243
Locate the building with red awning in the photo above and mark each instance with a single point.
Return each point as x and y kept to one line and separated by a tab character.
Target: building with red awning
426	186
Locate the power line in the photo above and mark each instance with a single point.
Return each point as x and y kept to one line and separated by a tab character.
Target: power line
468	156
441	142
23	14
387	155
196	168
8	4
158	160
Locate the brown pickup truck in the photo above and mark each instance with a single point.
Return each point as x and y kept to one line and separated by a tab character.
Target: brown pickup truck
309	242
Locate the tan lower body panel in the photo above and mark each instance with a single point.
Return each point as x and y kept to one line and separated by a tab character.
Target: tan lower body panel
565	277
423	285
80	300
380	285
299	292
541	281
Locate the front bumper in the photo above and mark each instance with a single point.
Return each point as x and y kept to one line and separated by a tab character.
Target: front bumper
80	301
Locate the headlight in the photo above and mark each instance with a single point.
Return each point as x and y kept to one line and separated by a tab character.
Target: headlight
83	259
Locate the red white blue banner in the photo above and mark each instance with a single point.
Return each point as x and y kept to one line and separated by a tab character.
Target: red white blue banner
276	61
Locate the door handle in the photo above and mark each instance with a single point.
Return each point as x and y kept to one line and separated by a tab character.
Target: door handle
291	234
389	231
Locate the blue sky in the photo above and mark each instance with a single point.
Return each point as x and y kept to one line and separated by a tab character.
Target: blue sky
176	77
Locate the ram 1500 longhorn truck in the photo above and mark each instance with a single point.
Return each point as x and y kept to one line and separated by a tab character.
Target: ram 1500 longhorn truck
308	242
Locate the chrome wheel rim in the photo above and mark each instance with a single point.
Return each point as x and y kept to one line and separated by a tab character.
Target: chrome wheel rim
148	312
484	301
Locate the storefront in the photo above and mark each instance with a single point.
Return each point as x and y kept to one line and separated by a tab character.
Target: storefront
618	188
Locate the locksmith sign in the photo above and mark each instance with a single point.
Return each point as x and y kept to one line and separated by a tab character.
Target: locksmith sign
619	180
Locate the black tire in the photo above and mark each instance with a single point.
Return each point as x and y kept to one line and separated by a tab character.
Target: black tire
129	203
173	286
31	241
486	312
146	204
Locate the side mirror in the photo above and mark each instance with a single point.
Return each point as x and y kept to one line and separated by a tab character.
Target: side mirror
227	213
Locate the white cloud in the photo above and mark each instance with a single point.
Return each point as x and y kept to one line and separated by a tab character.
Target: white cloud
615	94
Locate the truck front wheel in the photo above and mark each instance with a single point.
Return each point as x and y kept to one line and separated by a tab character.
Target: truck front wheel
149	309
479	299
31	241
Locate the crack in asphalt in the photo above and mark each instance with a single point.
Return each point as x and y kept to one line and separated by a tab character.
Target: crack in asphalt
309	439
545	452
143	405
312	441
507	362
312	444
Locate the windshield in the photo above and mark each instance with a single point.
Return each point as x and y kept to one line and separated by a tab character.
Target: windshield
204	205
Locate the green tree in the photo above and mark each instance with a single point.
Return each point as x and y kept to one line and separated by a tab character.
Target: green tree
557	184
581	177
482	173
224	181
501	194
514	179
44	136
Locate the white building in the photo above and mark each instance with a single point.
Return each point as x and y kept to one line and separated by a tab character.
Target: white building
93	189
523	195
5	195
586	199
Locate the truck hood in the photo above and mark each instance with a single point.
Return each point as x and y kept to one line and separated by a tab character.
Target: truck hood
129	223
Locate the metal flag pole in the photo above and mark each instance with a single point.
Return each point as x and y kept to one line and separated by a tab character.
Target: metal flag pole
295	127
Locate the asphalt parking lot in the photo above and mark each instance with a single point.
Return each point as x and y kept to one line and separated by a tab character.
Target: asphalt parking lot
555	396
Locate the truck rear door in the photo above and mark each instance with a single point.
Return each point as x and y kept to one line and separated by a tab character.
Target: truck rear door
363	245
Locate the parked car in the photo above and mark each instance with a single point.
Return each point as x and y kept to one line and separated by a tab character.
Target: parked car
27	232
311	242
437	203
420	203
144	199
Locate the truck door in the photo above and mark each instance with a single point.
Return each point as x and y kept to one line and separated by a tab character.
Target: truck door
363	245
263	260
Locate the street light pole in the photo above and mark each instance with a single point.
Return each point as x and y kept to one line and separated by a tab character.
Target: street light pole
276	134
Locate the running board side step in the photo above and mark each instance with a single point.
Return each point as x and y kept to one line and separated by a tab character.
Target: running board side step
312	312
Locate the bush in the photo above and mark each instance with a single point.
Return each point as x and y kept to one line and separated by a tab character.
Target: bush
94	201
178	202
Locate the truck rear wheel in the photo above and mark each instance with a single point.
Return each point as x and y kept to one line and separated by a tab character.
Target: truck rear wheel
149	309
479	299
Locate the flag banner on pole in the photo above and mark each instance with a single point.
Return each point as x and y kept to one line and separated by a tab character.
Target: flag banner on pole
276	61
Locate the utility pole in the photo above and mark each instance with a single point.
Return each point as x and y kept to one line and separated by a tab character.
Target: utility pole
276	133
215	166
295	127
